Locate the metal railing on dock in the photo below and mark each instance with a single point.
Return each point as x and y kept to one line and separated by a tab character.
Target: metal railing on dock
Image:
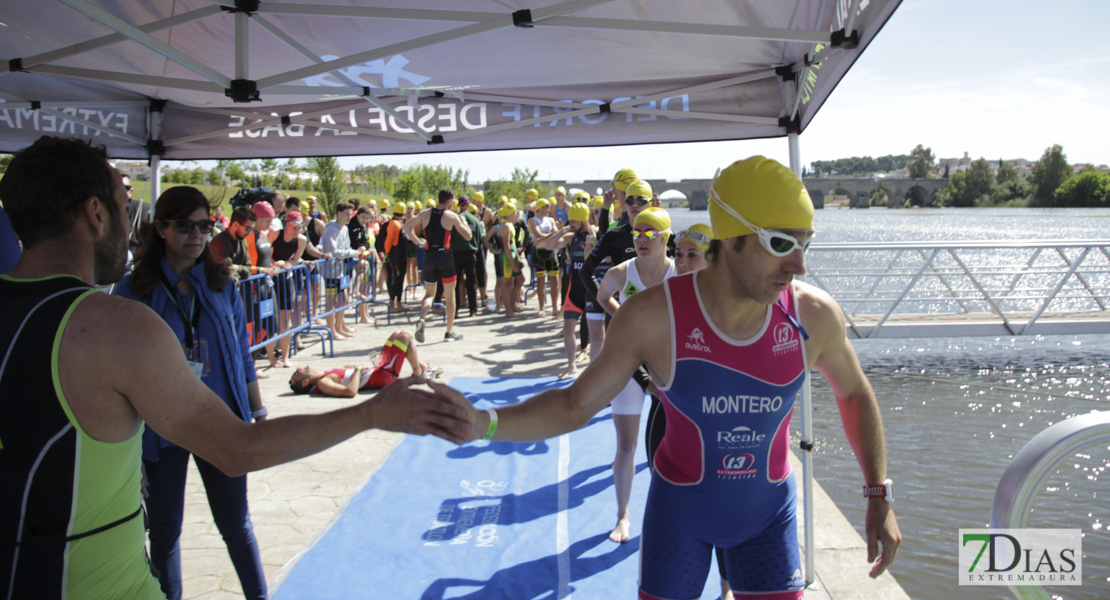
967	288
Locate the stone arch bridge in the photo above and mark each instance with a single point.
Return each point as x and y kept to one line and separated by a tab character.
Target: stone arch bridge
857	190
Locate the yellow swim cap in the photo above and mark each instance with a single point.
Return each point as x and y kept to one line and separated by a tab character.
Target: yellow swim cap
399	208
578	212
639	188
304	206
561	190
623	178
695	229
503	200
478	197
761	191
657	218
507	210
532	194
581	197
541	203
597	202
455	205
412	205
383	204
472	208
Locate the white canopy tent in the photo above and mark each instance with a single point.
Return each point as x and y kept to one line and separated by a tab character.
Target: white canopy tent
210	79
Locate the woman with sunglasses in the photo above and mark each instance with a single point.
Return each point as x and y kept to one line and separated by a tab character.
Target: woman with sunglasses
650	267
181	281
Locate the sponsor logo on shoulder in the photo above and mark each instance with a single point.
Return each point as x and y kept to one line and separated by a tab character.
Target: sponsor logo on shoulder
696	341
737	466
785	339
740	437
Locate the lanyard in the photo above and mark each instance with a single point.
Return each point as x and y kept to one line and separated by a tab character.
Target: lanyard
192	320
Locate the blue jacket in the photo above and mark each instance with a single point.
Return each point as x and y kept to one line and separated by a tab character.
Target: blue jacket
222	324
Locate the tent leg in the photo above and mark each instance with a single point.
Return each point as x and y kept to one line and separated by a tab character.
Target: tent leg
155	180
807	419
795	154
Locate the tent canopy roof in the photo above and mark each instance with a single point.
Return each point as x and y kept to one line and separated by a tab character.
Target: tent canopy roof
197	79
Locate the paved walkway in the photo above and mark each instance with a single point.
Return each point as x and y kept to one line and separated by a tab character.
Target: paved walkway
293	504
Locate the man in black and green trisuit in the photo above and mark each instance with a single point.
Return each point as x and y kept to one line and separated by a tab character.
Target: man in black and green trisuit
82	371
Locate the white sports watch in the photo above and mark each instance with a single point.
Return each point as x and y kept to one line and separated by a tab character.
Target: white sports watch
884	490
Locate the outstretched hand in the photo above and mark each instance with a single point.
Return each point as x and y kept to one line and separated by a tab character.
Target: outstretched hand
882	529
473	416
407	409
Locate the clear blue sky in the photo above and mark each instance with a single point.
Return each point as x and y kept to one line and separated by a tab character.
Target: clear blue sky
993	78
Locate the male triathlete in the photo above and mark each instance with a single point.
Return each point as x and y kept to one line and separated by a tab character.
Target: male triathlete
439	262
739	337
85	370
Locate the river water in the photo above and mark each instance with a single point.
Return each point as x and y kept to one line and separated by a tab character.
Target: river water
956	410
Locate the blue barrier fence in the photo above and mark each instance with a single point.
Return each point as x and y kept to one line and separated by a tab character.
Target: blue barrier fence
288	304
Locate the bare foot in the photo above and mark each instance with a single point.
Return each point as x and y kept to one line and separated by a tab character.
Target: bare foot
567	372
285	365
620	532
335	335
583	356
260	374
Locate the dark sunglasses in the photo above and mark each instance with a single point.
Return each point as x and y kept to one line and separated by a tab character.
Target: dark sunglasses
636	200
186	226
127	187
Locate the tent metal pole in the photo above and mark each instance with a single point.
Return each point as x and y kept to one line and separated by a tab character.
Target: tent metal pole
501	22
155	180
154	80
113	38
731	31
807	419
304	51
149	41
242	53
156	132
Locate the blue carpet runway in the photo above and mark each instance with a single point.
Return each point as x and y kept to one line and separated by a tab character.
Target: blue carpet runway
485	520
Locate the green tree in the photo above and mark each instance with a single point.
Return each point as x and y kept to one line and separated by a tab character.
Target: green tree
980	183
407	187
1006	173
921	162
1088	188
332	184
1049	173
195	177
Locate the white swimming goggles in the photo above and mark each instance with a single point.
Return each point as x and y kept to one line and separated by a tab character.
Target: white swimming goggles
776	243
693	235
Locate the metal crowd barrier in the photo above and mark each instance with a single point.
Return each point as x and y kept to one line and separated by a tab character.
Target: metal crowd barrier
1006	287
289	303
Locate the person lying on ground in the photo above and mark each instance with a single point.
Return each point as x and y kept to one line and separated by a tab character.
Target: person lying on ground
345	382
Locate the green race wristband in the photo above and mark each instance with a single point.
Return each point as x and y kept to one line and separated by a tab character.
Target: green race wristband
492	424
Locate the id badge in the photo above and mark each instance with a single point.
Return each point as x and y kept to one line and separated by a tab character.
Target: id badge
197	356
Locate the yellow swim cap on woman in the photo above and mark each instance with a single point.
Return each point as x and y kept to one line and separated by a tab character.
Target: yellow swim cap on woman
507	210
541	203
657	218
532	194
639	188
399	208
763	192
478	196
701	228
